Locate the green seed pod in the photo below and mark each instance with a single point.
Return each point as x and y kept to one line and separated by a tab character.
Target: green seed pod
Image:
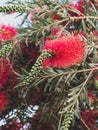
13	8
67	120
5	50
36	68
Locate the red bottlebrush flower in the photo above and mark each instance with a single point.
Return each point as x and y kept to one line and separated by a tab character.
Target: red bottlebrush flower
37	96
37	124
26	52
81	33
3	100
89	117
7	32
13	81
5	69
77	5
57	17
67	51
92	97
46	126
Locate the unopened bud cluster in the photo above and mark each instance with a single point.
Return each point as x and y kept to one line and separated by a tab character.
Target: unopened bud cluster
13	8
36	68
67	120
5	50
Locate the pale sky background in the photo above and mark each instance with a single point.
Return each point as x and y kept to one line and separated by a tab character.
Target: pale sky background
10	18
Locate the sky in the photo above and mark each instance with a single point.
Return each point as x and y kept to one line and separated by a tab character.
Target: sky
9	19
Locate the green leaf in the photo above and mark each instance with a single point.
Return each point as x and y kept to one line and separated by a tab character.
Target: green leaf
91	23
84	25
65	109
71	98
75	10
17	74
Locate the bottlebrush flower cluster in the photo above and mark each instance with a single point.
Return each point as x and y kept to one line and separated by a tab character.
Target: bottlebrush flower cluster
30	53
78	6
67	51
89	117
42	126
7	32
3	100
92	97
5	68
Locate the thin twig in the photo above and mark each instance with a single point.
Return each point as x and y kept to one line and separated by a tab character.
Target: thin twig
85	124
60	121
60	32
69	72
61	116
84	17
45	27
85	82
90	46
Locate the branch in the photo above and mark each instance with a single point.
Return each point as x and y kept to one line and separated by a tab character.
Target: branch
83	17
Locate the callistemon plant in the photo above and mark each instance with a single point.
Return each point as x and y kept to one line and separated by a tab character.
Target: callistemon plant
49	66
